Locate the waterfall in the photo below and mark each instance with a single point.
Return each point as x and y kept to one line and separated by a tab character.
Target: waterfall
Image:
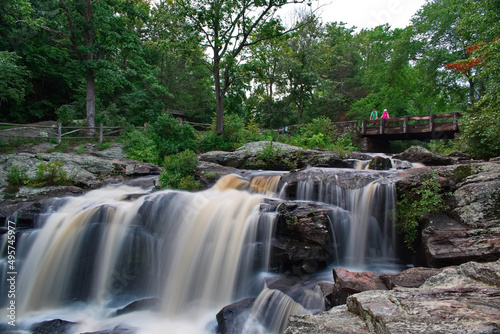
369	200
189	253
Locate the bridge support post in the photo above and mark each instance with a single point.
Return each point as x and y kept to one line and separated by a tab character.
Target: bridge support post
381	126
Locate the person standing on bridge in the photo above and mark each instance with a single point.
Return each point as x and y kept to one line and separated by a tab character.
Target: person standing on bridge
373	114
385	114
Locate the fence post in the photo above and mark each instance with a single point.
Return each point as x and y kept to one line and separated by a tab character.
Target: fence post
101	133
381	126
363	127
59	133
431	122
455	121
405	124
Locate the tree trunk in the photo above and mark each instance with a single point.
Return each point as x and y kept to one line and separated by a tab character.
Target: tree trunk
219	96
90	102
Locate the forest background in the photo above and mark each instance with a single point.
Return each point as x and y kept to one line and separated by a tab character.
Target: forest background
236	64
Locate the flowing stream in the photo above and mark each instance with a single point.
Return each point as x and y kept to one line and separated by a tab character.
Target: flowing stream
187	255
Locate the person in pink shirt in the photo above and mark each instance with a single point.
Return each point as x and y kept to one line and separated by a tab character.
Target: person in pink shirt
385	114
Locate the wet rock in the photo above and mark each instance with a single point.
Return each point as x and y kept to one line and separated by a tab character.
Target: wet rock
116	330
302	240
380	163
56	326
424	156
231	319
208	173
348	283
149	304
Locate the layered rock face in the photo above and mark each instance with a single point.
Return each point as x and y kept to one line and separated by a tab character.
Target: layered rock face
463	299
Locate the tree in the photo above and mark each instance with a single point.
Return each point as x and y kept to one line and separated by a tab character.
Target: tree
13	82
94	32
301	64
227	27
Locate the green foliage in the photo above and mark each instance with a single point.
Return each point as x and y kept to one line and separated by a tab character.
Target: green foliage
178	170
162	138
51	174
14	78
47	174
171	137
17	176
234	136
481	133
270	154
444	146
140	146
422	199
80	150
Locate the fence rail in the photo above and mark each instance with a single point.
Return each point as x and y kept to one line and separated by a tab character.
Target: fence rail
415	125
60	132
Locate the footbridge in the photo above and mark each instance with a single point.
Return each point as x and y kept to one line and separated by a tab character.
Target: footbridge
425	128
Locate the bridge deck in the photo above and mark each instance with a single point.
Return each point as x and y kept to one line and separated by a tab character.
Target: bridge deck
416	127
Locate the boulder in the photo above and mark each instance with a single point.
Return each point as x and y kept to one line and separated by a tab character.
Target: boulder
116	330
231	319
463	299
149	304
348	283
85	171
338	320
424	156
447	242
302	240
270	155
409	278
53	326
380	163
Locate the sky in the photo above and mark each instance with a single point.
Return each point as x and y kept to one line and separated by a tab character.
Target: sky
368	13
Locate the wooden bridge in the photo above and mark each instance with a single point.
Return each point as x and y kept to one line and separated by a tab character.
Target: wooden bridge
425	128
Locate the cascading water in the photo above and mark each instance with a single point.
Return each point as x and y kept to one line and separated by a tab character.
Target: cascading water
189	254
369	201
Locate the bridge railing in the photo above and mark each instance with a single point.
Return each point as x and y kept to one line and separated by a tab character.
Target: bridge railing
410	124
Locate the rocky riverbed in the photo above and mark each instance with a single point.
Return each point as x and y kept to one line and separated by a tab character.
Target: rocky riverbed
454	288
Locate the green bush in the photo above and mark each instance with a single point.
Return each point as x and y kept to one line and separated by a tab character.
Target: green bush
139	145
481	134
424	198
178	170
172	137
17	177
234	135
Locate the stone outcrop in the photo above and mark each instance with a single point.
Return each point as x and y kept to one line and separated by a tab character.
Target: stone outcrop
302	242
463	299
85	171
468	227
424	156
278	156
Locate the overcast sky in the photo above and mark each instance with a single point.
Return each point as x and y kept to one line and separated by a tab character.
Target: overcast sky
369	13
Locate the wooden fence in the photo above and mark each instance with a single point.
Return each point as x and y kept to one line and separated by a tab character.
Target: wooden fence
410	125
59	132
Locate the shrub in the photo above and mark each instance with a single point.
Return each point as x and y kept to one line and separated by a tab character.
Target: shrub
139	145
481	134
234	135
172	137
178	170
